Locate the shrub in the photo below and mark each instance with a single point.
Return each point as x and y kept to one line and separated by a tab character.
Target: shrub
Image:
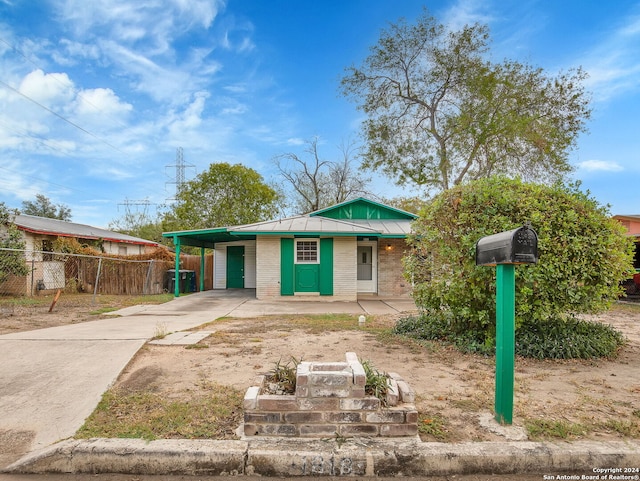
554	339
584	255
567	339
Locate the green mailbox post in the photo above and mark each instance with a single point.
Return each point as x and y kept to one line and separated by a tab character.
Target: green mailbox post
504	251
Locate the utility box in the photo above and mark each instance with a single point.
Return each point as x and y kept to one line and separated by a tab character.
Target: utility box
517	246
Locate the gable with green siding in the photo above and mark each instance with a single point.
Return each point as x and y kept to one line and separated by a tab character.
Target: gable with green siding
363	209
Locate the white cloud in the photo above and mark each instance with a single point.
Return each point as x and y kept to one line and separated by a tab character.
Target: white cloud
18	179
614	64
158	23
466	12
47	89
600	166
101	102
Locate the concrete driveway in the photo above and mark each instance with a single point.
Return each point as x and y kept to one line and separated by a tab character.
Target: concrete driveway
52	379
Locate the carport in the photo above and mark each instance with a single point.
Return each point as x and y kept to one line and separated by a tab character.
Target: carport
204	239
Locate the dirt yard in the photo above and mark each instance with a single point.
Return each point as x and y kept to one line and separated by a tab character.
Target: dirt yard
29	313
575	399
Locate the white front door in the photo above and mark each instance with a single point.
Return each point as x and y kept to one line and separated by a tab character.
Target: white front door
367	265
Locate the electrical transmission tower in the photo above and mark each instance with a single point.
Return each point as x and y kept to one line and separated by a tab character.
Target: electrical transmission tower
144	203
180	166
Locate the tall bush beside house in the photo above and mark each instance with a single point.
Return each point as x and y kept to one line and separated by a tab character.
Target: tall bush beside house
583	255
11	261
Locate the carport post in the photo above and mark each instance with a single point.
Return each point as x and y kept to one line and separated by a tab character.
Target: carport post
176	289
505	341
202	269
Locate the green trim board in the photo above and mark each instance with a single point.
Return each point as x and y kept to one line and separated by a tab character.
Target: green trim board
326	267
287	272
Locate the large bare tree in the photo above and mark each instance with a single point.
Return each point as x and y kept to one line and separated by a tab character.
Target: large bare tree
317	183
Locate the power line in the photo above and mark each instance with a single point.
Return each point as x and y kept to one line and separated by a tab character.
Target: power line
61	117
26	135
145	203
23	55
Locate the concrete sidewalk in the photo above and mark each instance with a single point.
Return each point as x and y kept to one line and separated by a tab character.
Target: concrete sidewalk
52	379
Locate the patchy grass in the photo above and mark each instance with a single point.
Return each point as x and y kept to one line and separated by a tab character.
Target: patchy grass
103	310
312	323
214	414
444	415
112	302
547	429
432	426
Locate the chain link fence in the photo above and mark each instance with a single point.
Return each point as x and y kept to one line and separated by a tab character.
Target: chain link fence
28	273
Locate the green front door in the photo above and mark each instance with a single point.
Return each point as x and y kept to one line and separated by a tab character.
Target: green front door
307	278
235	267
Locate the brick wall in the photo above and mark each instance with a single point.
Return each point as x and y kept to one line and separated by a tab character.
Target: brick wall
345	284
391	282
267	267
329	401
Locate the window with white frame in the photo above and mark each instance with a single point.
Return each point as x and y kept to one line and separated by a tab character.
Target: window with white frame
307	251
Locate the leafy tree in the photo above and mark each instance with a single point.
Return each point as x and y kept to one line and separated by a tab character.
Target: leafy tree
439	113
319	183
223	195
11	262
139	224
43	207
584	254
408	204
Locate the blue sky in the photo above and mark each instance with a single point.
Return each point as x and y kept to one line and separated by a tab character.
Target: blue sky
96	96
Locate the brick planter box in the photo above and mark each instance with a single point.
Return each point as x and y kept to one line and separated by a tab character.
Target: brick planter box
330	401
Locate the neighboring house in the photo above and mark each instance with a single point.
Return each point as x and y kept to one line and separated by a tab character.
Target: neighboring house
339	253
632	224
41	232
47	270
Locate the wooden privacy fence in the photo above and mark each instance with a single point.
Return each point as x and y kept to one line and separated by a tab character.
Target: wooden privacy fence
192	263
26	272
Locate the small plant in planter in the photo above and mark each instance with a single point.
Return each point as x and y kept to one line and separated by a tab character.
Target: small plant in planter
377	383
282	378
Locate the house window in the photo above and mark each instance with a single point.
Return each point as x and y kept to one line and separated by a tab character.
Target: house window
307	251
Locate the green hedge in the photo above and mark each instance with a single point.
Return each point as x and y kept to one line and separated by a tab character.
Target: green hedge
555	338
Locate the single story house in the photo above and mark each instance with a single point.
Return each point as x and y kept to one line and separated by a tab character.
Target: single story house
632	224
339	253
40	233
46	269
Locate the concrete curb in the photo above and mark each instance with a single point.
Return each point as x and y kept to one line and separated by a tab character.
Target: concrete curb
330	457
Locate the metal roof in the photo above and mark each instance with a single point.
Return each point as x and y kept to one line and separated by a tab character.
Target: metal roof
312	224
388	227
304	224
61	228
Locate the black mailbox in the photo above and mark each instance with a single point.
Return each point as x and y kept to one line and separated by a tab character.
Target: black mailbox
517	246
